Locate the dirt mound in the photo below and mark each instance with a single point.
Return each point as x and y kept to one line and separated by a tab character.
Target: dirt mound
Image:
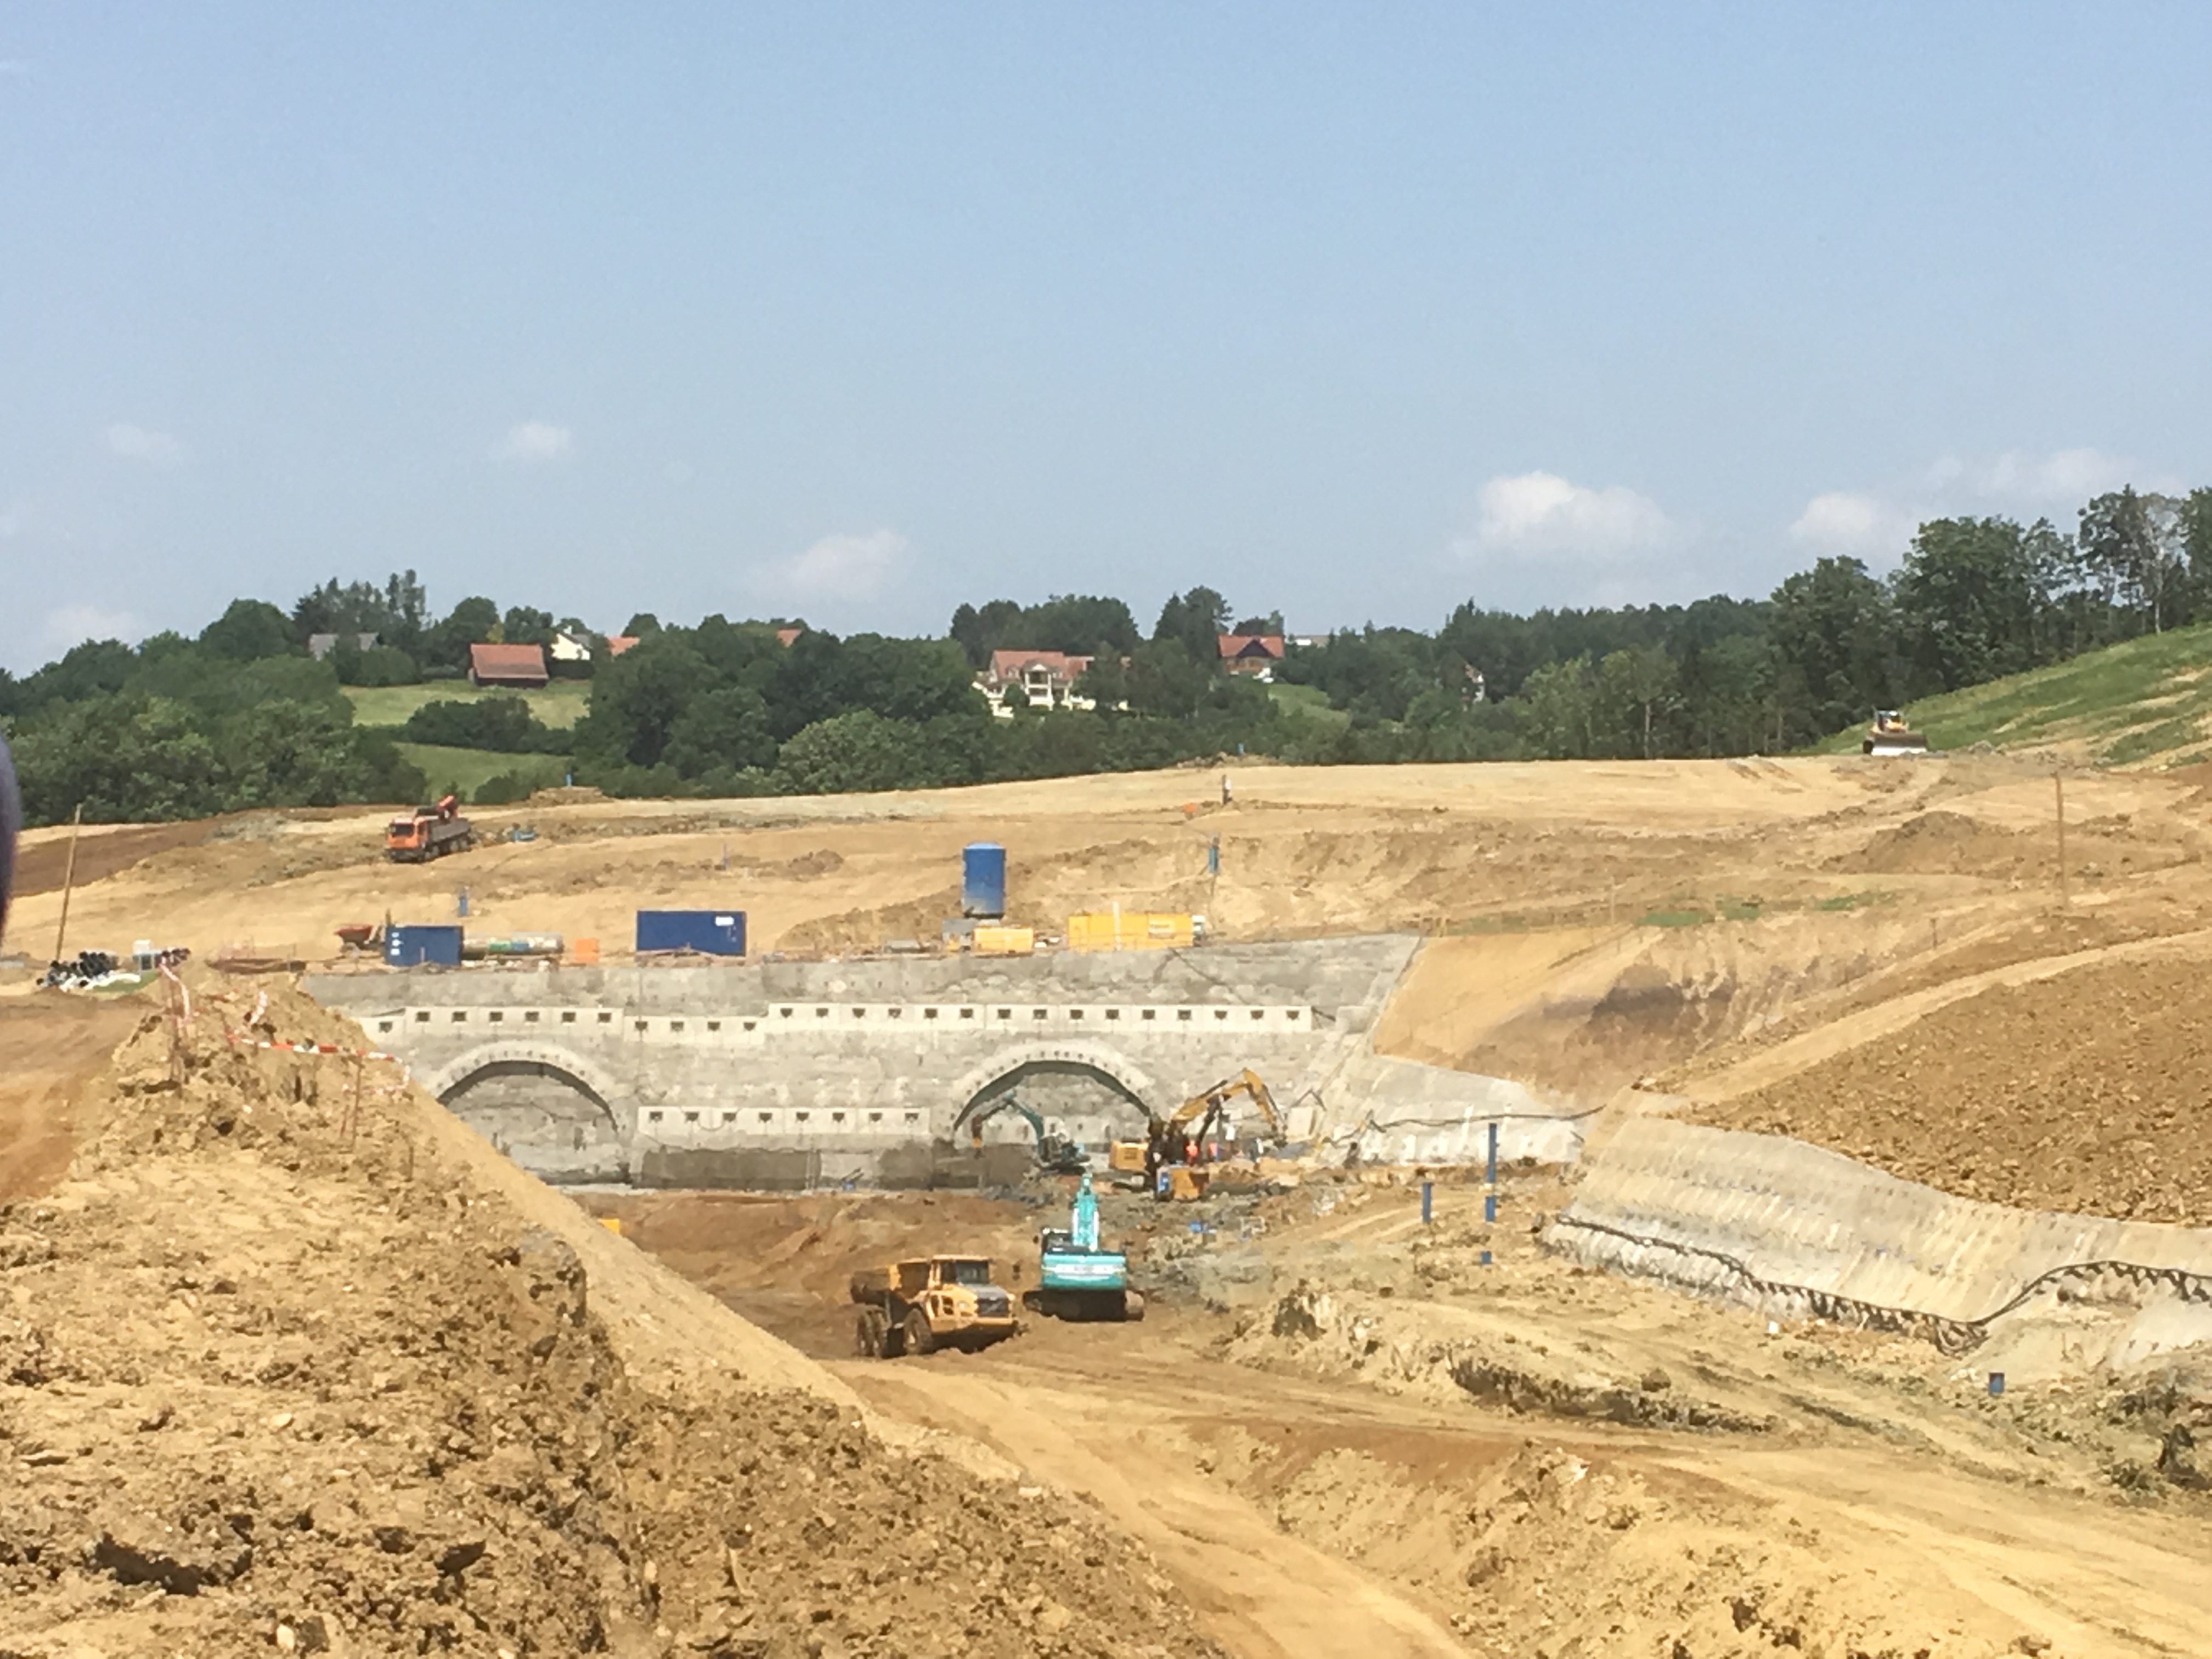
1943	844
289	1361
2085	1092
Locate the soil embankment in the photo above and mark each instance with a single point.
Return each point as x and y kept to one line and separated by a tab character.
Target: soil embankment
292	1362
2082	1093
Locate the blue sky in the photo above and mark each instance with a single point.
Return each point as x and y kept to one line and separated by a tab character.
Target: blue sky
857	312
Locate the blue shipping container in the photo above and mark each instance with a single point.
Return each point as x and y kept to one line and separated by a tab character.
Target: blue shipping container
412	947
983	880
711	933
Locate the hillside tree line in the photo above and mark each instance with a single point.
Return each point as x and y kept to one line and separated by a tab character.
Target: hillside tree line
240	715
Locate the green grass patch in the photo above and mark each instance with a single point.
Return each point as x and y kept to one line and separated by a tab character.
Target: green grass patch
2136	702
1737	909
464	771
560	704
1674	918
1852	901
1310	703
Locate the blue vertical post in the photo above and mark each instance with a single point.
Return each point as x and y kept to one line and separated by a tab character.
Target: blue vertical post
1489	1186
1213	857
1428	1194
461	903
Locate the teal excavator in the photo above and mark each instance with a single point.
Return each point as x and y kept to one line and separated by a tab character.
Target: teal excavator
1055	1154
1076	1278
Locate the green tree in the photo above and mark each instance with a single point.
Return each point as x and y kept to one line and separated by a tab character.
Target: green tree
1832	632
1195	621
2132	545
854	752
249	630
1969	602
472	622
526	625
1559	704
2195	517
722	730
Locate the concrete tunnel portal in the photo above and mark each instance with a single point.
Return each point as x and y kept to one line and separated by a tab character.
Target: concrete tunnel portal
1090	1100
793	1074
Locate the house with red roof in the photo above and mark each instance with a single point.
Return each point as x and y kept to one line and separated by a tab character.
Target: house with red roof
1256	654
1045	679
516	667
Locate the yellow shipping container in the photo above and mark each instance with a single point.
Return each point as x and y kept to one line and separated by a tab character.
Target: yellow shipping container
1005	941
1132	930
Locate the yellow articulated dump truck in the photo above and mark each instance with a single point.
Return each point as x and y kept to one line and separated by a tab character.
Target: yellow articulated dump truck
935	1302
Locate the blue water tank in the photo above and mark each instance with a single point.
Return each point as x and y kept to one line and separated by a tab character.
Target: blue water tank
418	946
711	932
983	880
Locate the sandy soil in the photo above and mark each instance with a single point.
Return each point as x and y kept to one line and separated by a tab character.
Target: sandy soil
1380	1447
291	1362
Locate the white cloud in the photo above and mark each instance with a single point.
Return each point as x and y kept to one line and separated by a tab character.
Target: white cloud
139	443
843	566
1878	525
2071	476
534	443
1862	526
1530	514
73	625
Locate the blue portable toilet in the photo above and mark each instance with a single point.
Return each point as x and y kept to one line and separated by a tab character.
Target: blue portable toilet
423	946
983	880
710	932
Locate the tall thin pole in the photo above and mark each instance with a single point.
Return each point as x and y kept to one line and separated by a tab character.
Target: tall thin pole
2058	789
68	879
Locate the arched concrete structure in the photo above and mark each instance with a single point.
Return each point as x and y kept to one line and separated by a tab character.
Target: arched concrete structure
777	1075
1094	1057
588	1075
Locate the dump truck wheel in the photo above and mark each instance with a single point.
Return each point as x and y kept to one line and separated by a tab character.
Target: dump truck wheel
1132	1306
890	1336
920	1338
868	1335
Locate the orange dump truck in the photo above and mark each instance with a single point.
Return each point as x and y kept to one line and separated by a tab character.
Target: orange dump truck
933	1302
428	832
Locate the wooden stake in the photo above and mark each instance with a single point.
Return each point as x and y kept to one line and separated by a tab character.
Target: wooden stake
2058	789
68	879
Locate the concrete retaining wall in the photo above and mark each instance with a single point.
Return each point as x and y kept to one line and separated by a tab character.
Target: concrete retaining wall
716	1075
1662	1199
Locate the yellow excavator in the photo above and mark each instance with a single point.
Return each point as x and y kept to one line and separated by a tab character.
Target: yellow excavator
1184	1143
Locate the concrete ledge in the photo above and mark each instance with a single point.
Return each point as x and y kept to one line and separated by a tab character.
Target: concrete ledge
1792	1229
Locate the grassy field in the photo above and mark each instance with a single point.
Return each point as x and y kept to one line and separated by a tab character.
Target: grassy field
465	770
1308	702
2148	702
559	704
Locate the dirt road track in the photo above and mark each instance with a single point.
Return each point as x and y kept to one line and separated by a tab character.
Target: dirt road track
1136	1421
1259	1593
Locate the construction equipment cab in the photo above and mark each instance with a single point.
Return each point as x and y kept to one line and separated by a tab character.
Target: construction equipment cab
1890	735
1055	1153
428	832
933	1302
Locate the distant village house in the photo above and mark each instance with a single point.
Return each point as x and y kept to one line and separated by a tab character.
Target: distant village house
517	667
1042	679
1256	654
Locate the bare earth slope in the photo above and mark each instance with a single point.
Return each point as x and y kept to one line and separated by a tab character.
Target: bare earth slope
2089	1091
279	1370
